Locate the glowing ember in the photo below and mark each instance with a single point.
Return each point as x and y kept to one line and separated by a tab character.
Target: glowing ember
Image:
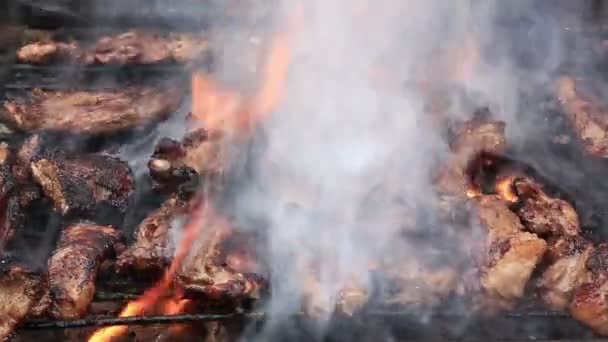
504	188
472	193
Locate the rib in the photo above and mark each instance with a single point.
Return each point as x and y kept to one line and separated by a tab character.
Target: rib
151	252
175	165
586	114
79	183
131	47
542	214
74	264
20	291
91	112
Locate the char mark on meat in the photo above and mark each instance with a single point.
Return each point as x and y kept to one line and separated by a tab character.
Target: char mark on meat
586	114
131	47
590	302
21	292
567	270
542	214
469	139
78	184
91	112
506	258
152	249
73	266
177	166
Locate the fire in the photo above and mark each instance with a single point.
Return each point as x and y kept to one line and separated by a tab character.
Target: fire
472	193
504	188
222	110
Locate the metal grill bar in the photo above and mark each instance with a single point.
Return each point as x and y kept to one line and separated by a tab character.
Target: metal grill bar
189	318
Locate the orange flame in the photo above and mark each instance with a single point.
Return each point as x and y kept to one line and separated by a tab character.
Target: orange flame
217	110
147	301
472	193
504	188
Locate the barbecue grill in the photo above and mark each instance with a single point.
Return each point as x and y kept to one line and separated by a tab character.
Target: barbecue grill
523	324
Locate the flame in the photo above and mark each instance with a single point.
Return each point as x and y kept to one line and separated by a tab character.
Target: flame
472	193
151	297
504	188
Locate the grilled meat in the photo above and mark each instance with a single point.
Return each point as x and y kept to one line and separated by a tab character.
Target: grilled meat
73	266
567	257
509	255
205	275
590	300
178	165
20	292
131	47
542	214
470	138
81	182
91	112
152	249
586	114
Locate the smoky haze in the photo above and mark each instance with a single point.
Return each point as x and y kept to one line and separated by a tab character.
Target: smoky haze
346	158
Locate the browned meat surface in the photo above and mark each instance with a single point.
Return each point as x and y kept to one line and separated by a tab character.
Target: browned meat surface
131	47
45	52
175	164
470	138
20	292
79	183
542	214
91	112
586	113
152	250
73	266
567	257
205	276
590	301
508	257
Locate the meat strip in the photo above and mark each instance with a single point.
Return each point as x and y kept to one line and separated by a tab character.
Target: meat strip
590	301
91	112
153	249
567	257
508	256
131	47
586	114
79	183
74	264
176	165
20	292
542	214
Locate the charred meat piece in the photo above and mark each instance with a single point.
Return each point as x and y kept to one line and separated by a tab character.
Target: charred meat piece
470	138
91	112
586	113
542	214
20	291
152	249
205	275
508	257
590	301
79	183
178	164
567	257
131	47
73	266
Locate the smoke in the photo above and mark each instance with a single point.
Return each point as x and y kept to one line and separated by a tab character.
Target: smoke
345	158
